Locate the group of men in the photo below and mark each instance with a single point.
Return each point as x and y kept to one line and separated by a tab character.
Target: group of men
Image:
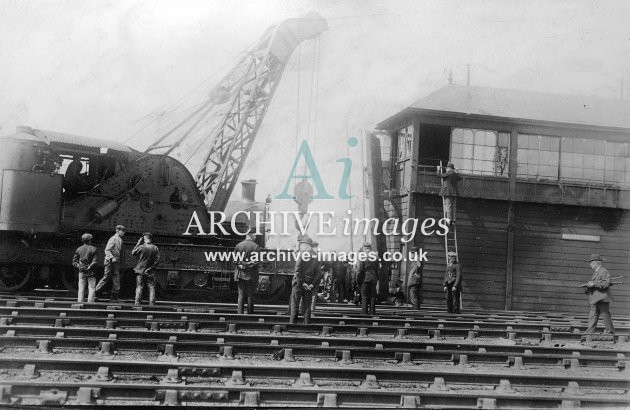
452	282
85	260
309	271
306	278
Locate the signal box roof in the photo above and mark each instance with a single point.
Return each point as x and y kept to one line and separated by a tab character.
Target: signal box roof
526	106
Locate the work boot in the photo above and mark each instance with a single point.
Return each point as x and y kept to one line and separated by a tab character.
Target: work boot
373	306
151	296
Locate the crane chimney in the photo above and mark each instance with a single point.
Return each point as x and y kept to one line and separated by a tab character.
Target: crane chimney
249	190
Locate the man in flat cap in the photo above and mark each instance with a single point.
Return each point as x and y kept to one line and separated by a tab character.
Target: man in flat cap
367	278
599	297
414	281
113	255
307	273
246	273
452	283
84	260
449	191
148	259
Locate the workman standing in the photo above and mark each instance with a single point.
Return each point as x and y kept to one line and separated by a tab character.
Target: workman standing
307	274
84	260
452	283
339	271
367	278
599	296
113	256
148	259
246	274
414	283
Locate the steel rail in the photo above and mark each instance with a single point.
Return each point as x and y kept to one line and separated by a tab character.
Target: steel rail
224	369
40	309
470	313
121	319
174	347
278	336
492	320
90	393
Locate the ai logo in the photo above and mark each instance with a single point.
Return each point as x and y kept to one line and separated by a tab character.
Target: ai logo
313	174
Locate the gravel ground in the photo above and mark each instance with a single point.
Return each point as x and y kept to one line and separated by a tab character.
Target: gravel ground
210	360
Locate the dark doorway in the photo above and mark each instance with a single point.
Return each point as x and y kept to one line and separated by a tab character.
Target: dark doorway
434	144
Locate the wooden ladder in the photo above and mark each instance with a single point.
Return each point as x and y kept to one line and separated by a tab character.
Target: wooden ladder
450	239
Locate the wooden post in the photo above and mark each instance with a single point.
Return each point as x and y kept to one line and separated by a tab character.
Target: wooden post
411	188
509	263
374	193
509	268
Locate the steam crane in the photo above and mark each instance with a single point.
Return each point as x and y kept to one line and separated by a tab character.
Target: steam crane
247	90
144	191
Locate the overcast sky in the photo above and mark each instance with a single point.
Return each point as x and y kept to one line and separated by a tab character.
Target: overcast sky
106	69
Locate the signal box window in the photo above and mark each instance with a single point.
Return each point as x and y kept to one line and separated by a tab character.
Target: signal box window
403	168
405	136
480	152
538	157
595	161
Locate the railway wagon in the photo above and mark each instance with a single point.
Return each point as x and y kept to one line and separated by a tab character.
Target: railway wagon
44	210
546	183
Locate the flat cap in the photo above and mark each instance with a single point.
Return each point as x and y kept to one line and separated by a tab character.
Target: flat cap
413	249
450	165
305	239
367	245
121	227
149	234
86	237
451	253
595	257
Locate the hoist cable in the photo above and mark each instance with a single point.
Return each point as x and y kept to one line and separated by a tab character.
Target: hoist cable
316	91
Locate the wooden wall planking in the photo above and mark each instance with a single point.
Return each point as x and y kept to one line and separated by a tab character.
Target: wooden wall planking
548	269
482	239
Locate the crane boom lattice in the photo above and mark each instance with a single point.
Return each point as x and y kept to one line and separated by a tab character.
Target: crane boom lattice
248	88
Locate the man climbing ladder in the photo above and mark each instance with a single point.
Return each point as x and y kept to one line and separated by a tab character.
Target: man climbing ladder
449	194
449	191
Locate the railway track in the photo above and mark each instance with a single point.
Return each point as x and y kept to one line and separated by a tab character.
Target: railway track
345	351
58	352
72	334
143	317
226	382
427	313
430	311
217	323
